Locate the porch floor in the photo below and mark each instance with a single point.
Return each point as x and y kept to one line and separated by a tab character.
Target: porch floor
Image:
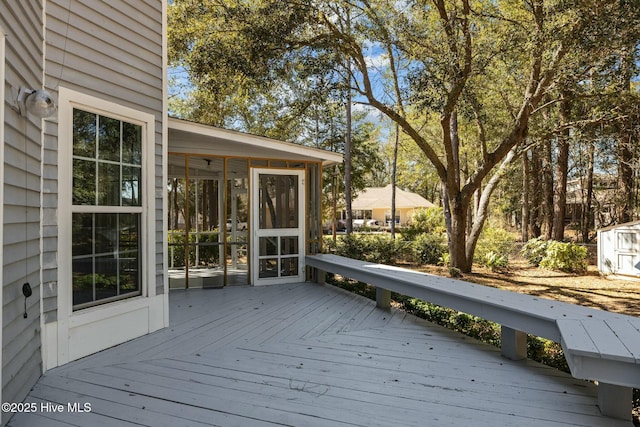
306	355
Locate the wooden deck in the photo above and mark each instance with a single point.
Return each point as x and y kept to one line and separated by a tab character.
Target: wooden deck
306	355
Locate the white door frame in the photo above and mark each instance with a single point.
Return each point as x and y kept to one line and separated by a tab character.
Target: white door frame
256	232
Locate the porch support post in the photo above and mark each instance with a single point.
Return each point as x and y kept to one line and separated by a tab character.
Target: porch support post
383	298
615	401
514	343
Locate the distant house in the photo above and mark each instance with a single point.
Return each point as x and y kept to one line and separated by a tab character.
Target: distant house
88	162
602	200
619	249
375	203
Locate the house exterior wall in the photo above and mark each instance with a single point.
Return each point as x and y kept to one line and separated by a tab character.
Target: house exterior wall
112	51
380	214
22	22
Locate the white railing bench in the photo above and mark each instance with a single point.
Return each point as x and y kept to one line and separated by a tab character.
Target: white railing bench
598	345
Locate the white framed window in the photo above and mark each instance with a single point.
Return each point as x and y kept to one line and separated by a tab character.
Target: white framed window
106	208
106	185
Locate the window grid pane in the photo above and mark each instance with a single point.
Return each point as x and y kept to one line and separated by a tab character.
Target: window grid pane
107	174
107	161
106	257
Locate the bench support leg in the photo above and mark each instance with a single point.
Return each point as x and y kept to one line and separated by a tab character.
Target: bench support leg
383	298
321	276
615	401
514	343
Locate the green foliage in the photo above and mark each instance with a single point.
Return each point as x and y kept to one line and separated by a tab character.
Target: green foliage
538	349
207	255
376	248
427	220
467	324
494	245
495	261
567	257
382	249
87	281
428	248
535	250
277	68
553	255
445	259
365	155
548	352
358	288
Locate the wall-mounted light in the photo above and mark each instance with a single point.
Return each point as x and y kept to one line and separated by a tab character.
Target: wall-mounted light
37	102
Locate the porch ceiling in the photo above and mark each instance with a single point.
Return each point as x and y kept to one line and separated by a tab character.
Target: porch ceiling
194	138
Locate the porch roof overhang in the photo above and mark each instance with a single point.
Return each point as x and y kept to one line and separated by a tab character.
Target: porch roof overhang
195	138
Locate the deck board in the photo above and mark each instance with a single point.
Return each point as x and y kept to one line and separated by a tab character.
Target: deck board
308	355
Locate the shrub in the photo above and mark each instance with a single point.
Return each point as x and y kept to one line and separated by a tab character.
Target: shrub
207	254
495	241
567	257
548	352
445	259
427	220
428	248
467	324
554	255
372	248
535	250
495	261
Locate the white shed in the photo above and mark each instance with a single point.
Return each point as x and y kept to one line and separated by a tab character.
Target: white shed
619	249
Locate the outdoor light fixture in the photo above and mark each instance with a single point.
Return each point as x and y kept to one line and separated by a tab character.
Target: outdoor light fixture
37	102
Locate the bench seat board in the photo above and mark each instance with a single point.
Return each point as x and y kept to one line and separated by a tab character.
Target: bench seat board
595	338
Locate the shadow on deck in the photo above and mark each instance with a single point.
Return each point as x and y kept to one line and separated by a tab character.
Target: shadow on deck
306	355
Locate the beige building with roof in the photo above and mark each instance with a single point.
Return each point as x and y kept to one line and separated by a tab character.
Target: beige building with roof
375	203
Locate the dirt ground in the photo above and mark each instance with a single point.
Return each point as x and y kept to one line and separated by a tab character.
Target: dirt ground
620	295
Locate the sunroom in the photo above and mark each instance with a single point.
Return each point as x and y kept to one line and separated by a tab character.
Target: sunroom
242	209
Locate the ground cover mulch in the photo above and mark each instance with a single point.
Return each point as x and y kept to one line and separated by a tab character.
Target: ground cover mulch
615	294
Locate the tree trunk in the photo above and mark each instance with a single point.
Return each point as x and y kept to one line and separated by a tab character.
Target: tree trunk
334	196
394	166
347	147
587	214
625	141
547	190
562	170
525	198
536	210
482	208
347	169
458	237
457	208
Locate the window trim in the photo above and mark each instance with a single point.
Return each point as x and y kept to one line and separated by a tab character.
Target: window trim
68	100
